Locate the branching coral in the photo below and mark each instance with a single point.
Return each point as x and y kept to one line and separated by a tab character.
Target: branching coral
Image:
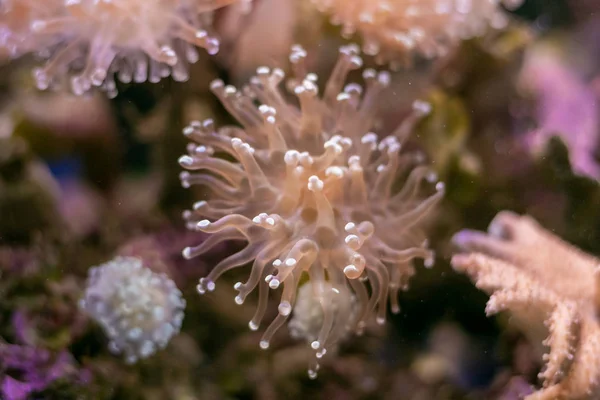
138	309
93	39
311	190
537	276
393	30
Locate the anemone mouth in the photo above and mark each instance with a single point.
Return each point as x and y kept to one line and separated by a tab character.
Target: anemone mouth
308	215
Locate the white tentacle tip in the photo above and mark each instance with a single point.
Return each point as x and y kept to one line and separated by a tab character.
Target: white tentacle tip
199	204
315	184
187	253
285	308
274	283
423	108
203	224
186	161
351	271
217	84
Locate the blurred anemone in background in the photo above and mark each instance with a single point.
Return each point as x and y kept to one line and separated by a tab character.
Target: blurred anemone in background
394	30
312	190
16	18
89	41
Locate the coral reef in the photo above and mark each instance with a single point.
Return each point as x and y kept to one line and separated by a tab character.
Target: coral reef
537	276
317	208
311	190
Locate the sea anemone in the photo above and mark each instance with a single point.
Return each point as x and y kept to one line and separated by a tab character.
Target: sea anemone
312	190
393	30
94	39
138	309
16	17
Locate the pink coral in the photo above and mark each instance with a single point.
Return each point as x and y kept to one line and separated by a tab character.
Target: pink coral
311	190
540	278
141	40
566	106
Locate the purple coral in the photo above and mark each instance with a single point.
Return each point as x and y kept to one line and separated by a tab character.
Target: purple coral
567	106
26	370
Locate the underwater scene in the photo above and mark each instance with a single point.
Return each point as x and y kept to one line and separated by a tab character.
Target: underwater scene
299	199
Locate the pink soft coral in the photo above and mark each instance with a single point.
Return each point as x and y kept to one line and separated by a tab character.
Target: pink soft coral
541	279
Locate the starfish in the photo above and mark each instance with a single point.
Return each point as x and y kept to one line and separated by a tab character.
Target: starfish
542	281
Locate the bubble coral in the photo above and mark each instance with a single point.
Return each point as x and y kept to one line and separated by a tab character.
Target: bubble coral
393	30
138	309
312	190
307	317
93	39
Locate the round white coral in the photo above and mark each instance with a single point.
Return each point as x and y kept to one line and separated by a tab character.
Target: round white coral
139	310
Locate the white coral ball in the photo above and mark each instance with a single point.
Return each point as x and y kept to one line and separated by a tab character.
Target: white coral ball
308	317
138	309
